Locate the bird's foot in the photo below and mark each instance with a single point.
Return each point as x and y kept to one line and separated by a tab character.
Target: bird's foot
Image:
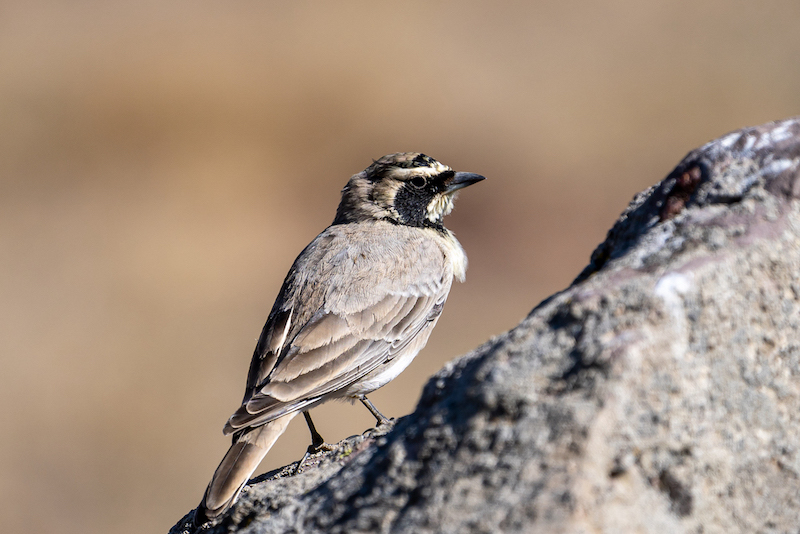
314	448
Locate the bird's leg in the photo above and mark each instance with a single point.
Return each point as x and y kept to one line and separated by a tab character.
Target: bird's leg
317	442
379	417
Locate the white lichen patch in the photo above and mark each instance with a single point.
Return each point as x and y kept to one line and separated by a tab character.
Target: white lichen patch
774	135
729	140
778	166
672	289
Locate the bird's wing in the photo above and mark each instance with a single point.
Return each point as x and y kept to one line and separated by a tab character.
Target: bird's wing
354	311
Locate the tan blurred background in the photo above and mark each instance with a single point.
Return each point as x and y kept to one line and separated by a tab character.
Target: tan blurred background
162	163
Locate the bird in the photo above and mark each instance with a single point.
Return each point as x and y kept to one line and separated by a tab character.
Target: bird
357	305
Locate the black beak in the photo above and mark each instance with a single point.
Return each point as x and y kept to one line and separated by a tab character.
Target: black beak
463	179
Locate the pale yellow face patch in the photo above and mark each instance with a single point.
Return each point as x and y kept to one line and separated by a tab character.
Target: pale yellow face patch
440	206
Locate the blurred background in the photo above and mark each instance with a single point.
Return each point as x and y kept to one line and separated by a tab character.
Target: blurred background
162	164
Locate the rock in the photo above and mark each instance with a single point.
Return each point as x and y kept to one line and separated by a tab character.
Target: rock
658	393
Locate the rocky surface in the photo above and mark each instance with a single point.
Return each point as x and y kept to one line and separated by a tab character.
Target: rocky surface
659	393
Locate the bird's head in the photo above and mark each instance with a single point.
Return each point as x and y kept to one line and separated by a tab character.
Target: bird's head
406	188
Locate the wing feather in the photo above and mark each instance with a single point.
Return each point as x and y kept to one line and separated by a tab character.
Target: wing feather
322	330
302	361
302	385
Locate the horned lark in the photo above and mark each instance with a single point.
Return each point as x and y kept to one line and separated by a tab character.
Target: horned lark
356	307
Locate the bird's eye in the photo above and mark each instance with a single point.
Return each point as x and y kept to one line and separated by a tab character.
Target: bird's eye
418	182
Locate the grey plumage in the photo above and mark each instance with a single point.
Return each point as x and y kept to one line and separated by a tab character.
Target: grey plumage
357	306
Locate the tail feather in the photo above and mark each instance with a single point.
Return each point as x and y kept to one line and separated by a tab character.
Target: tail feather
236	468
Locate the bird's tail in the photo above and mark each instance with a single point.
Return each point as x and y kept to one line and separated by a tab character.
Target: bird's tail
236	467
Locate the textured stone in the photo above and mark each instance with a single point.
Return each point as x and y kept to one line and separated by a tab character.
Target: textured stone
658	393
